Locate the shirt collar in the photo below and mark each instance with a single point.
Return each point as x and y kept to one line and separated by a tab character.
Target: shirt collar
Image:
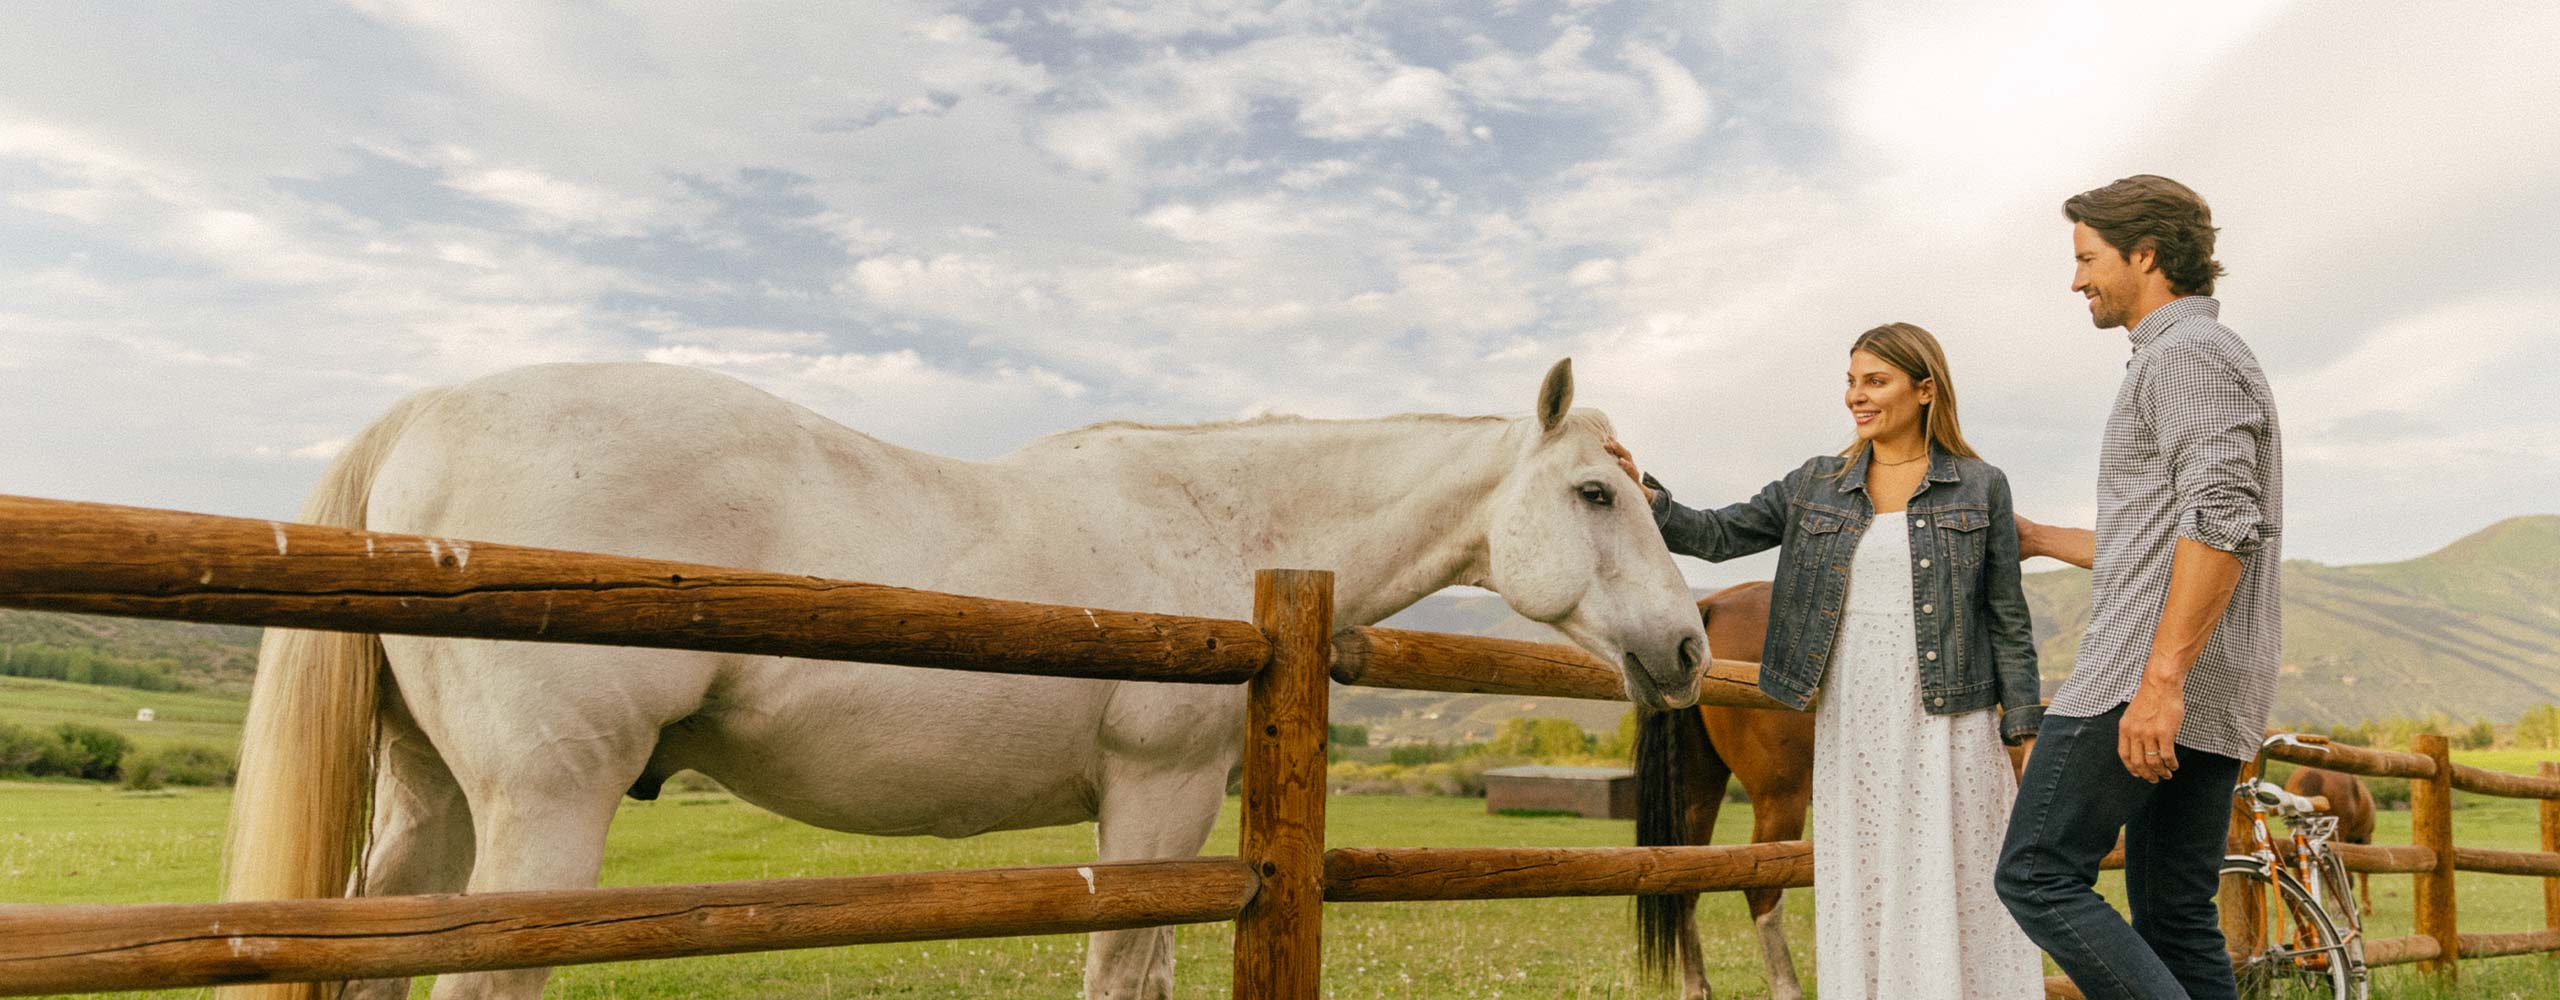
2170	312
1942	468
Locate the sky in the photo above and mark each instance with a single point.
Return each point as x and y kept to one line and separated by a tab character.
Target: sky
233	235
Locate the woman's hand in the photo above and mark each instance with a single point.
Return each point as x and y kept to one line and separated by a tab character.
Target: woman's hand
1627	462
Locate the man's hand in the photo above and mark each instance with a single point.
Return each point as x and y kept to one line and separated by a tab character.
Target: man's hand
1627	462
2147	737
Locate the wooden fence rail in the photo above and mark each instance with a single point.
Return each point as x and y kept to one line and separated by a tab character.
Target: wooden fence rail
101	559
63	948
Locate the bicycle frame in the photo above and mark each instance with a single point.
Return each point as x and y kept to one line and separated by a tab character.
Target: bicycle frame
2328	941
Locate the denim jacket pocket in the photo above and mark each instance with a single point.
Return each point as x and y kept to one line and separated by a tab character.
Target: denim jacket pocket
1961	536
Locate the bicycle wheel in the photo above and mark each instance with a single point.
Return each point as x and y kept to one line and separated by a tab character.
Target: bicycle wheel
2338	893
2303	957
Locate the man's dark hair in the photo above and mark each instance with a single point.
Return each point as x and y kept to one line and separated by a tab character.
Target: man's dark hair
2148	211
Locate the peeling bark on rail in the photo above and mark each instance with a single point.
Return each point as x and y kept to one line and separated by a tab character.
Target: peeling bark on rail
99	559
2516	943
2530	863
1368	656
54	949
2504	785
2402	950
2358	760
1368	875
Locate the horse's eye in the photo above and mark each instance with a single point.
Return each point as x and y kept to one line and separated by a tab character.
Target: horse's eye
1594	494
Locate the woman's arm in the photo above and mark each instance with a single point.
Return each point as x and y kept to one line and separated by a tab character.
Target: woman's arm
2013	643
1754	525
1730	532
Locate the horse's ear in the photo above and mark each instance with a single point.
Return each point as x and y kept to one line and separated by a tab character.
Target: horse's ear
1555	396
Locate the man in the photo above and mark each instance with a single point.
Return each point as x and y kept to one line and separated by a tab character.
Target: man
2177	668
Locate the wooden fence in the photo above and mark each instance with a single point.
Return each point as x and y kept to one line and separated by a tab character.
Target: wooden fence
62	556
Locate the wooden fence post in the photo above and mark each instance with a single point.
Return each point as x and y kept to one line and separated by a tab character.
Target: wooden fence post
2243	906
2431	827
1279	937
2551	845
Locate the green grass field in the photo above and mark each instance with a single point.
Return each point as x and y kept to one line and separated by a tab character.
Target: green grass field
181	717
88	843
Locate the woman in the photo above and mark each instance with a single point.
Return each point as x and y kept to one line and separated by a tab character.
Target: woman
1898	619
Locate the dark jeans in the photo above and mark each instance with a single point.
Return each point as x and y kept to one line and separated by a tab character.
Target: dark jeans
2074	797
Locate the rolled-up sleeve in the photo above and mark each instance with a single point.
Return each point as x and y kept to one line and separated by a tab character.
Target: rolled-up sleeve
2208	423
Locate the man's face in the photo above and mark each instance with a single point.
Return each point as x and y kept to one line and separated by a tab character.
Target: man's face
2105	277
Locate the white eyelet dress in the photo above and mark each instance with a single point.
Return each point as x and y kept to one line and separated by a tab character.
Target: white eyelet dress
1908	812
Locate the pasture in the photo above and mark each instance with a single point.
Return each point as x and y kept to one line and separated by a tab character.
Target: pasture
87	843
182	716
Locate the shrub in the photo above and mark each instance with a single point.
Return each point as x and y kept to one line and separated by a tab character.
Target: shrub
85	752
20	750
1413	754
199	766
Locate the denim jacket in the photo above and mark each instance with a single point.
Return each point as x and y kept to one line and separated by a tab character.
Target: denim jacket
1969	612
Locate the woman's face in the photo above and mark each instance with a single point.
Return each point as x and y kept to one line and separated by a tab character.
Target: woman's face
1882	402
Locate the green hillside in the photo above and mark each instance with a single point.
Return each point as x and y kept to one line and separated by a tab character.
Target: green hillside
217	659
2471	630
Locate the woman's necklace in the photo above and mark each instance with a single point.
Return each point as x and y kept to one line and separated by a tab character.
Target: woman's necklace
1879	460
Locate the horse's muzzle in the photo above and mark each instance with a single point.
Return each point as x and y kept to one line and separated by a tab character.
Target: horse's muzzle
1668	679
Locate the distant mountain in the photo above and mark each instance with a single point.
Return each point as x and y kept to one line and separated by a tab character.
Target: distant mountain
2471	630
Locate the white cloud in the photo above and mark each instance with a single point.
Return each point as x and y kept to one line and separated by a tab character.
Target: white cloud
961	233
1341	90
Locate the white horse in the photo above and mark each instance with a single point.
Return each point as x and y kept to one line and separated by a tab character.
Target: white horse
499	765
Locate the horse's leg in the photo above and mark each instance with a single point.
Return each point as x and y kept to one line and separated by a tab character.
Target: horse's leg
421	828
542	741
1149	810
1776	768
1777	814
543	828
1707	778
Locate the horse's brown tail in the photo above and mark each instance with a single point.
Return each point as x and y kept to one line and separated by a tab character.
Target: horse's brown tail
1668	746
306	754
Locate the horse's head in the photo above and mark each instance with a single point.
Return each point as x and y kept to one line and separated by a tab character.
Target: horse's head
1573	544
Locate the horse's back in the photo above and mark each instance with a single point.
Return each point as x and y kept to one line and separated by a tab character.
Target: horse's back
633	459
2349	799
1737	619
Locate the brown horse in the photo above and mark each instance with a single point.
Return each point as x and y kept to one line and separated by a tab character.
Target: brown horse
1684	759
2349	800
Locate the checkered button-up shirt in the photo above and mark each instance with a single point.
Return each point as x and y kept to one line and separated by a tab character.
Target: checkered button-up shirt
2192	451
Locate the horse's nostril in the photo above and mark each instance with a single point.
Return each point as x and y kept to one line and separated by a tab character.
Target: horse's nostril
1692	653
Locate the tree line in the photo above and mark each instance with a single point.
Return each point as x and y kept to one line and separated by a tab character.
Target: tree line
80	665
92	753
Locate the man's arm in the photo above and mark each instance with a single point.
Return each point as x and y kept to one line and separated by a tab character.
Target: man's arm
2201	579
2206	419
2077	546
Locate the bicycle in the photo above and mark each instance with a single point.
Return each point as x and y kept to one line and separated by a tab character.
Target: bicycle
2311	931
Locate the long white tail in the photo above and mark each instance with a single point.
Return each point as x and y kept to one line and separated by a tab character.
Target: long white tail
302	799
